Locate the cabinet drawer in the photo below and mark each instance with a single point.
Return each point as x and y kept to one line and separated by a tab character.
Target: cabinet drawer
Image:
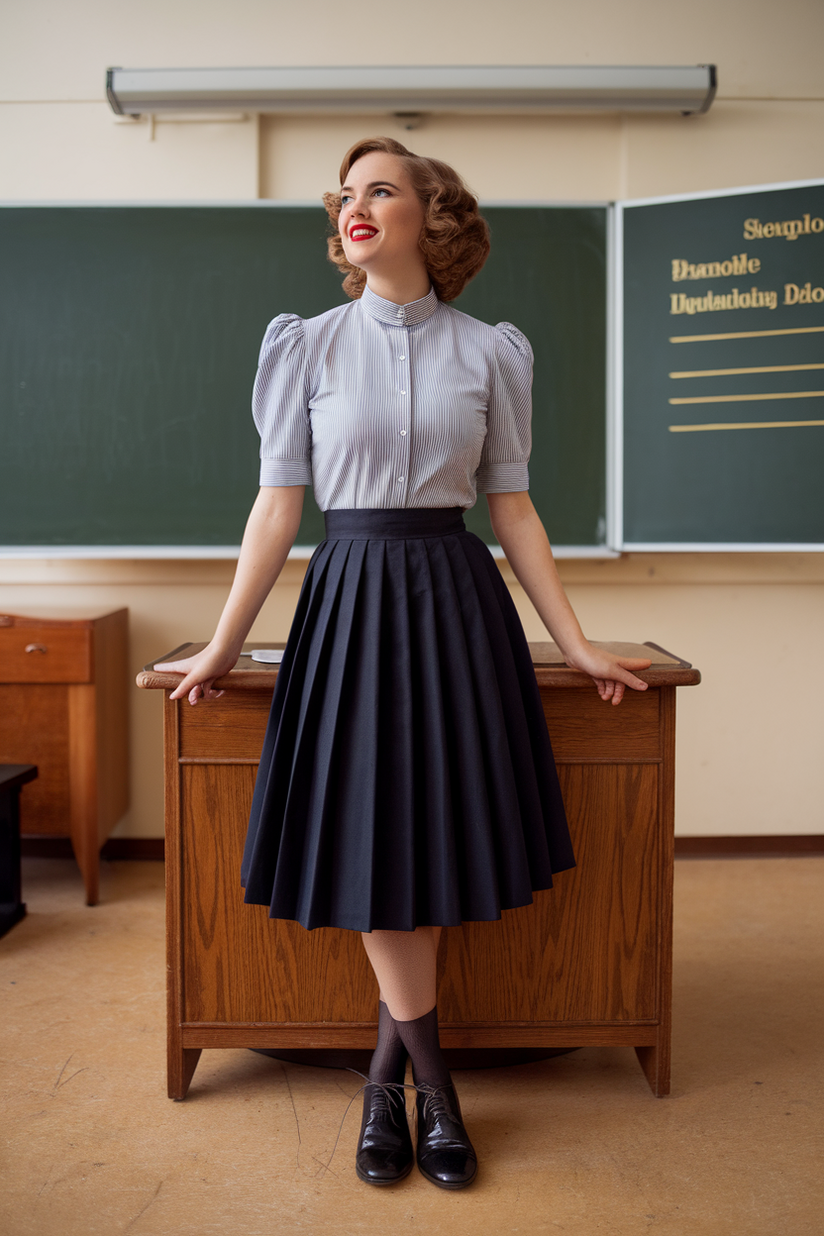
45	654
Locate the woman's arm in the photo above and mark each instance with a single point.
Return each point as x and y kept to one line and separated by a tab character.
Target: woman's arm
521	535
270	533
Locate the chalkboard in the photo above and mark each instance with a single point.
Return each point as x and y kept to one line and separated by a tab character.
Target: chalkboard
129	345
723	370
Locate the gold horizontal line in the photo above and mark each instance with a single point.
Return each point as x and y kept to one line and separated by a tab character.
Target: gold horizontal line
748	398
743	425
718	373
746	334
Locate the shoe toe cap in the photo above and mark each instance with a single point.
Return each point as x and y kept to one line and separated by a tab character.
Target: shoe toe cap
452	1168
381	1167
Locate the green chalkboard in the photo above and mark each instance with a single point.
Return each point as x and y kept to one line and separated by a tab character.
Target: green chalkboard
723	355
129	344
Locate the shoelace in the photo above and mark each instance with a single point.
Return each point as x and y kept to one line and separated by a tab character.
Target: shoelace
435	1103
386	1089
381	1102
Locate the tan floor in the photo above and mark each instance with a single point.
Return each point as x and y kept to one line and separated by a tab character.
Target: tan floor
576	1145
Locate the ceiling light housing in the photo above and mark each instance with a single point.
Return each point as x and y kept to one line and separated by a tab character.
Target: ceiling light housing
479	89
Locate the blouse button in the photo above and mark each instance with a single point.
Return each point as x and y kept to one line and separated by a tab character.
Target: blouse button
403	392
403	433
400	480
401	358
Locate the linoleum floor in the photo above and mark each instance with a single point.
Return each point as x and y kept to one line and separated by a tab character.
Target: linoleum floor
575	1145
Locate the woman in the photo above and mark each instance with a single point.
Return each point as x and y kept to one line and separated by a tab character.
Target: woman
407	780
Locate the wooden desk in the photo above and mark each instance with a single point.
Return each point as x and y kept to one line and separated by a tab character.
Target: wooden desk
64	692
589	963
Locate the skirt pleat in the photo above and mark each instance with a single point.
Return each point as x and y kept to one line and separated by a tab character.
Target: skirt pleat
407	776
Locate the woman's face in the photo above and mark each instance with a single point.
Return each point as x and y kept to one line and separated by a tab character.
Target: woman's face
381	216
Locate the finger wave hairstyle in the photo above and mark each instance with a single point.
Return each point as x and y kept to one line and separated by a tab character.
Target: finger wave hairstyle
455	236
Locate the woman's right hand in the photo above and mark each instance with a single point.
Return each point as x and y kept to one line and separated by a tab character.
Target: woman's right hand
199	672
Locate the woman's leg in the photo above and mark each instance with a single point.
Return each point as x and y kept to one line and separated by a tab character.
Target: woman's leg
405	963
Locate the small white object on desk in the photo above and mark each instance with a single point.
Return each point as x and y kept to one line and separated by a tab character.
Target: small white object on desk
272	656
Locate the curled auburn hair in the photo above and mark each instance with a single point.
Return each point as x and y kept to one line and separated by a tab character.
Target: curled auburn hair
455	236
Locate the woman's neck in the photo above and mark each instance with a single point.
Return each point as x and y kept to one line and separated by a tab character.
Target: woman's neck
401	289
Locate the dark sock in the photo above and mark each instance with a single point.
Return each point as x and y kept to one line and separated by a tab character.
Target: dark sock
388	1063
420	1037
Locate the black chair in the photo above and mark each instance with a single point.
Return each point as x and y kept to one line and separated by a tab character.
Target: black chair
12	778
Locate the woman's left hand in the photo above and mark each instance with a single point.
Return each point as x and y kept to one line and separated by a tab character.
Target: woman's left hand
611	674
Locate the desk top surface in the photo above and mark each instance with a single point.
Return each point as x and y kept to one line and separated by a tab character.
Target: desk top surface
666	670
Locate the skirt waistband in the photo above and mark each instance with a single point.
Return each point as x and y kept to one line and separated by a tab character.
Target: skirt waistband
393	524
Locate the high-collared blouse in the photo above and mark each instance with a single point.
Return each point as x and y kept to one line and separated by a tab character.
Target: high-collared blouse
378	405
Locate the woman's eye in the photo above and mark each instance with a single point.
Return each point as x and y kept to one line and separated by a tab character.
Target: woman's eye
385	191
344	198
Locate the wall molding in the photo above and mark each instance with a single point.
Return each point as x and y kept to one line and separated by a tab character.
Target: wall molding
750	847
116	849
151	849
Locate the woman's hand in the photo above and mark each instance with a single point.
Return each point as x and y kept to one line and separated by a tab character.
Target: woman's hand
611	674
270	531
199	672
524	541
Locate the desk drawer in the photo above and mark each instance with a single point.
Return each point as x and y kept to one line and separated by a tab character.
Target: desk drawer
45	654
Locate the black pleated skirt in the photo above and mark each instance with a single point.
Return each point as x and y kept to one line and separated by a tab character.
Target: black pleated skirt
407	776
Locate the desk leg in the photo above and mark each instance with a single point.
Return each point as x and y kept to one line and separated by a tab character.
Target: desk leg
182	1062
83	786
655	1061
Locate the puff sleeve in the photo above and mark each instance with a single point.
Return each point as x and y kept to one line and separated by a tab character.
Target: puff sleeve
505	454
280	404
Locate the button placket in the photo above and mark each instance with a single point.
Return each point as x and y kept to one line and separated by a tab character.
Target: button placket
404	423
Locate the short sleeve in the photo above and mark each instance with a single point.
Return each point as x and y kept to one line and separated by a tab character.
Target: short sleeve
280	404
505	455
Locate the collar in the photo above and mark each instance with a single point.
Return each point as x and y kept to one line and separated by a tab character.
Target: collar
399	315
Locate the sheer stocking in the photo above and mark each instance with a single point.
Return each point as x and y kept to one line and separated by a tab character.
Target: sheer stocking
405	963
388	1062
420	1037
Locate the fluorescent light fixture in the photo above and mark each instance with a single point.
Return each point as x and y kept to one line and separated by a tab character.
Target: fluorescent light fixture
500	89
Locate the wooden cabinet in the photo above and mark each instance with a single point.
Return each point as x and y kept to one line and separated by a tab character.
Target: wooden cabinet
64	689
588	963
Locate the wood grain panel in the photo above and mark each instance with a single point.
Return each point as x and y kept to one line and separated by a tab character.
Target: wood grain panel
58	654
585	950
231	727
583	727
335	1035
240	965
34	729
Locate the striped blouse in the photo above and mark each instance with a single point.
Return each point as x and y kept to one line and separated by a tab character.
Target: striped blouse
378	405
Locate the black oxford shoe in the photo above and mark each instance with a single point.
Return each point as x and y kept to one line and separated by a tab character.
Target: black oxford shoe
446	1156
384	1152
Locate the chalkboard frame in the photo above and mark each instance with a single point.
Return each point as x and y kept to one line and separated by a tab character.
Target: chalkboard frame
597	548
615	387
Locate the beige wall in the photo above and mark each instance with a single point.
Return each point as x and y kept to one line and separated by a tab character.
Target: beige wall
750	736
